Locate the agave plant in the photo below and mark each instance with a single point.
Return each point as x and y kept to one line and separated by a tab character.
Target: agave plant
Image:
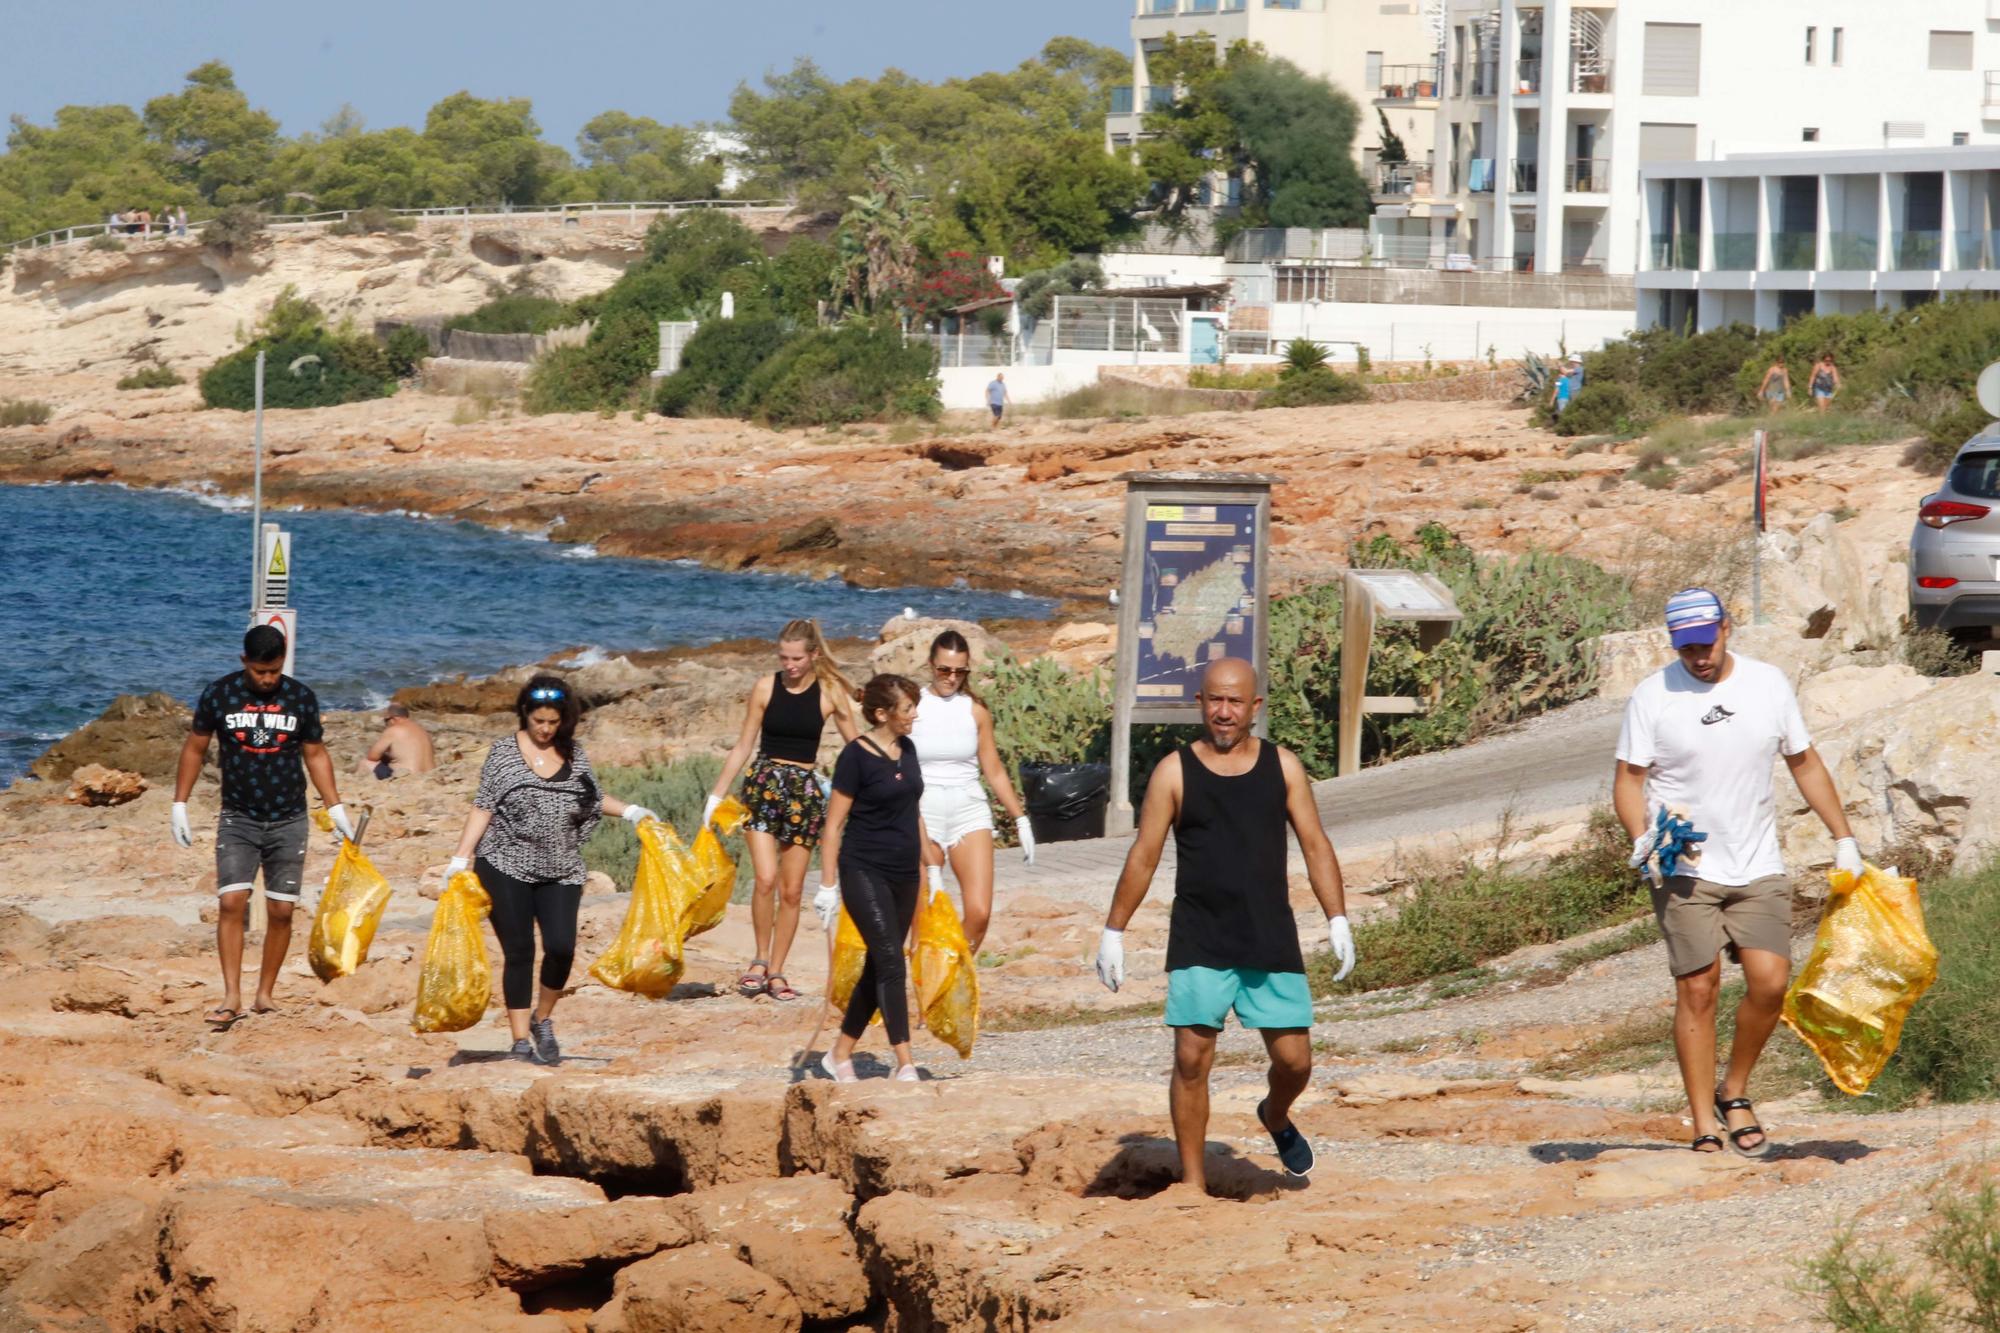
1535	373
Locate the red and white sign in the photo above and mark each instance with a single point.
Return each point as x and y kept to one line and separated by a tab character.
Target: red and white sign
286	621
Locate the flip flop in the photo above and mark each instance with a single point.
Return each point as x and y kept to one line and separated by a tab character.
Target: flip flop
1722	1110
1293	1149
751	984
223	1018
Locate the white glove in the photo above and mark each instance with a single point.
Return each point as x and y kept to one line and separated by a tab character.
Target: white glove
936	876
341	823
1026	833
1642	857
1340	937
634	814
458	865
708	809
826	904
1111	959
183	834
1847	856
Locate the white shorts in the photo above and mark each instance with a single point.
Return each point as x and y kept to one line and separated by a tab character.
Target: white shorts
952	812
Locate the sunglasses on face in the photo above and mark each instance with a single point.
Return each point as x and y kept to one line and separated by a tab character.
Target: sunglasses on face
545	694
951	671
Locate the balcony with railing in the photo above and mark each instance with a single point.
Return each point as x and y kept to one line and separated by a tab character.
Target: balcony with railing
1402	180
1121	100
1528	77
1198	6
1589	74
1486	78
1525	177
1853	251
1795	251
1970	250
1919	251
1479	174
1158	9
1680	250
1735	251
1990	103
1403	84
1587	175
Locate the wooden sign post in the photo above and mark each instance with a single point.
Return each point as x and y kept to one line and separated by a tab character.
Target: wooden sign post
1373	595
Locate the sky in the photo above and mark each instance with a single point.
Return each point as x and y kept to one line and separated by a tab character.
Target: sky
674	60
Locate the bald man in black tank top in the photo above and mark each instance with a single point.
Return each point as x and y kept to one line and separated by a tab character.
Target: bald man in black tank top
1232	942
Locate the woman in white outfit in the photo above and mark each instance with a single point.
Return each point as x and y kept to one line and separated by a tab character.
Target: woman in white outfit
954	741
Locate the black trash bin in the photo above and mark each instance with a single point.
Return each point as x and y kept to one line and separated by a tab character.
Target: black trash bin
1066	802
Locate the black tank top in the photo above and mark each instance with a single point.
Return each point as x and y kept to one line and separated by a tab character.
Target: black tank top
1231	905
792	722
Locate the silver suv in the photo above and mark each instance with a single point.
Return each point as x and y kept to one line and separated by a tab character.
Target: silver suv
1955	546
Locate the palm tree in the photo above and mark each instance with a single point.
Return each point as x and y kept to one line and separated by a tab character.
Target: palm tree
878	236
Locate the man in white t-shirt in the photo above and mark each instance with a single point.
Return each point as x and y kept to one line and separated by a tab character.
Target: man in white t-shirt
1701	738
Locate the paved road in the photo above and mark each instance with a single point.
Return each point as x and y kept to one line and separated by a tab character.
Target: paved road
1556	763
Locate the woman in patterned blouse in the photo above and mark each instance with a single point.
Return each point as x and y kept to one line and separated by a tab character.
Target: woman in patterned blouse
537	802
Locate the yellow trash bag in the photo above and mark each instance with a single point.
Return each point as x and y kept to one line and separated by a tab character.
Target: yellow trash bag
717	871
1869	964
456	981
349	911
946	975
646	957
850	955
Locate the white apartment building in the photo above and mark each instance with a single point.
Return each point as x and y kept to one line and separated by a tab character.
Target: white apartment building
1762	237
1550	110
1358	46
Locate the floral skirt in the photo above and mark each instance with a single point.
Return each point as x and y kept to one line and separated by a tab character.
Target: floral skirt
786	801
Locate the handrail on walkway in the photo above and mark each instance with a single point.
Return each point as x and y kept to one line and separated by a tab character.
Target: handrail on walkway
629	208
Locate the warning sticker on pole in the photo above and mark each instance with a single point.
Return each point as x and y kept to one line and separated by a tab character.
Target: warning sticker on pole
1200	601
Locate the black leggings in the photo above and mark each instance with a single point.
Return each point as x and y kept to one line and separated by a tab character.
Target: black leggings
517	905
882	905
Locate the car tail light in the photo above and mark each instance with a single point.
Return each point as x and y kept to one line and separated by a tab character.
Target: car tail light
1944	513
1933	581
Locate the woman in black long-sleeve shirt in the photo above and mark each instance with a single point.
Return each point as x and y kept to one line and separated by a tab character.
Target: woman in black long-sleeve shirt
871	858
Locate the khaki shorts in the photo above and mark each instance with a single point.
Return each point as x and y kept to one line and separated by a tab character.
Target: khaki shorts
1698	917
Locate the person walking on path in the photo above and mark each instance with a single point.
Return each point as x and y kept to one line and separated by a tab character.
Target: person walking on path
997	398
403	747
268	726
870	858
786	715
1776	386
1825	381
1700	739
1569	383
1232	942
537	801
954	733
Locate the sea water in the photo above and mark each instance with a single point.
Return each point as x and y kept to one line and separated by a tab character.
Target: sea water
107	591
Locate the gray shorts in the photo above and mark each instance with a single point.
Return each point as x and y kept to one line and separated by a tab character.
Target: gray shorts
243	844
1698	917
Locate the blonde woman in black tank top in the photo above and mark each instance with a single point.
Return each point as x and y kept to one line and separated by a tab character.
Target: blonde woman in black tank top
782	723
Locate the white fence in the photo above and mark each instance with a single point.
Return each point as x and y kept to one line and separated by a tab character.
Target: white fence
973	347
566	214
1120	324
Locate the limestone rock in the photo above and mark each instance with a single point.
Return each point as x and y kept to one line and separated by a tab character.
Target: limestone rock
1628	657
533	1250
702	1288
795	1230
905	646
405	441
95	989
91	1272
1834	696
94	784
137	733
1083	646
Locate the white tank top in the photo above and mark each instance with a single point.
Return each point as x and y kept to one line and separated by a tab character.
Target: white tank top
947	740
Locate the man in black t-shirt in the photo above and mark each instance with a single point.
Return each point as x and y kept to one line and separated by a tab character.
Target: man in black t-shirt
269	729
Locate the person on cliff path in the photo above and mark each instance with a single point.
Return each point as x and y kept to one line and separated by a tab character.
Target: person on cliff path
268	726
1825	381
1701	737
1232	942
871	857
997	397
782	723
537	801
954	734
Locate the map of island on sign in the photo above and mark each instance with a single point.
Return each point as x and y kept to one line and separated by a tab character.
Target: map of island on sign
1199	599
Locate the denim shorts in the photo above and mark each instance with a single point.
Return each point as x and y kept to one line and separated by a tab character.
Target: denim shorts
278	846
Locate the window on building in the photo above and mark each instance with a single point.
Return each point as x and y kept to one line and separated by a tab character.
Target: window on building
1811	136
1673	60
1837	49
1960	138
1666	143
1371	77
1950	50
1812	45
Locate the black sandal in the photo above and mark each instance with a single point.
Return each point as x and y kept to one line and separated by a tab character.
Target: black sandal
1705	1138
1722	1110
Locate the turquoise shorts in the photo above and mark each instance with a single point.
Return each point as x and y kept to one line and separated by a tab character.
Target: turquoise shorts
1203	997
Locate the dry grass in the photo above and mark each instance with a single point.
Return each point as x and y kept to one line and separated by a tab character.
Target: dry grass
445	378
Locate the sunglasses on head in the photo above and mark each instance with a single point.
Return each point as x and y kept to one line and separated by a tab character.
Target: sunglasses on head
545	693
951	671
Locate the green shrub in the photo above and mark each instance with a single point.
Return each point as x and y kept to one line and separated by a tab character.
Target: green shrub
563	379
313	370
369	221
716	364
1874	1291
152	377
856	372
625	348
24	412
1315	388
1696	373
675	792
105	241
1303	355
517	313
237	227
1601	409
1464	917
404	348
1219	377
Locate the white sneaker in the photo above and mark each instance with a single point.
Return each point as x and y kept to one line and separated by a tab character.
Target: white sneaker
842	1072
907	1074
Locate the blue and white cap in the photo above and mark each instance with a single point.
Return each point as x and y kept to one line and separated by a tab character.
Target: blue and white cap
1693	616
